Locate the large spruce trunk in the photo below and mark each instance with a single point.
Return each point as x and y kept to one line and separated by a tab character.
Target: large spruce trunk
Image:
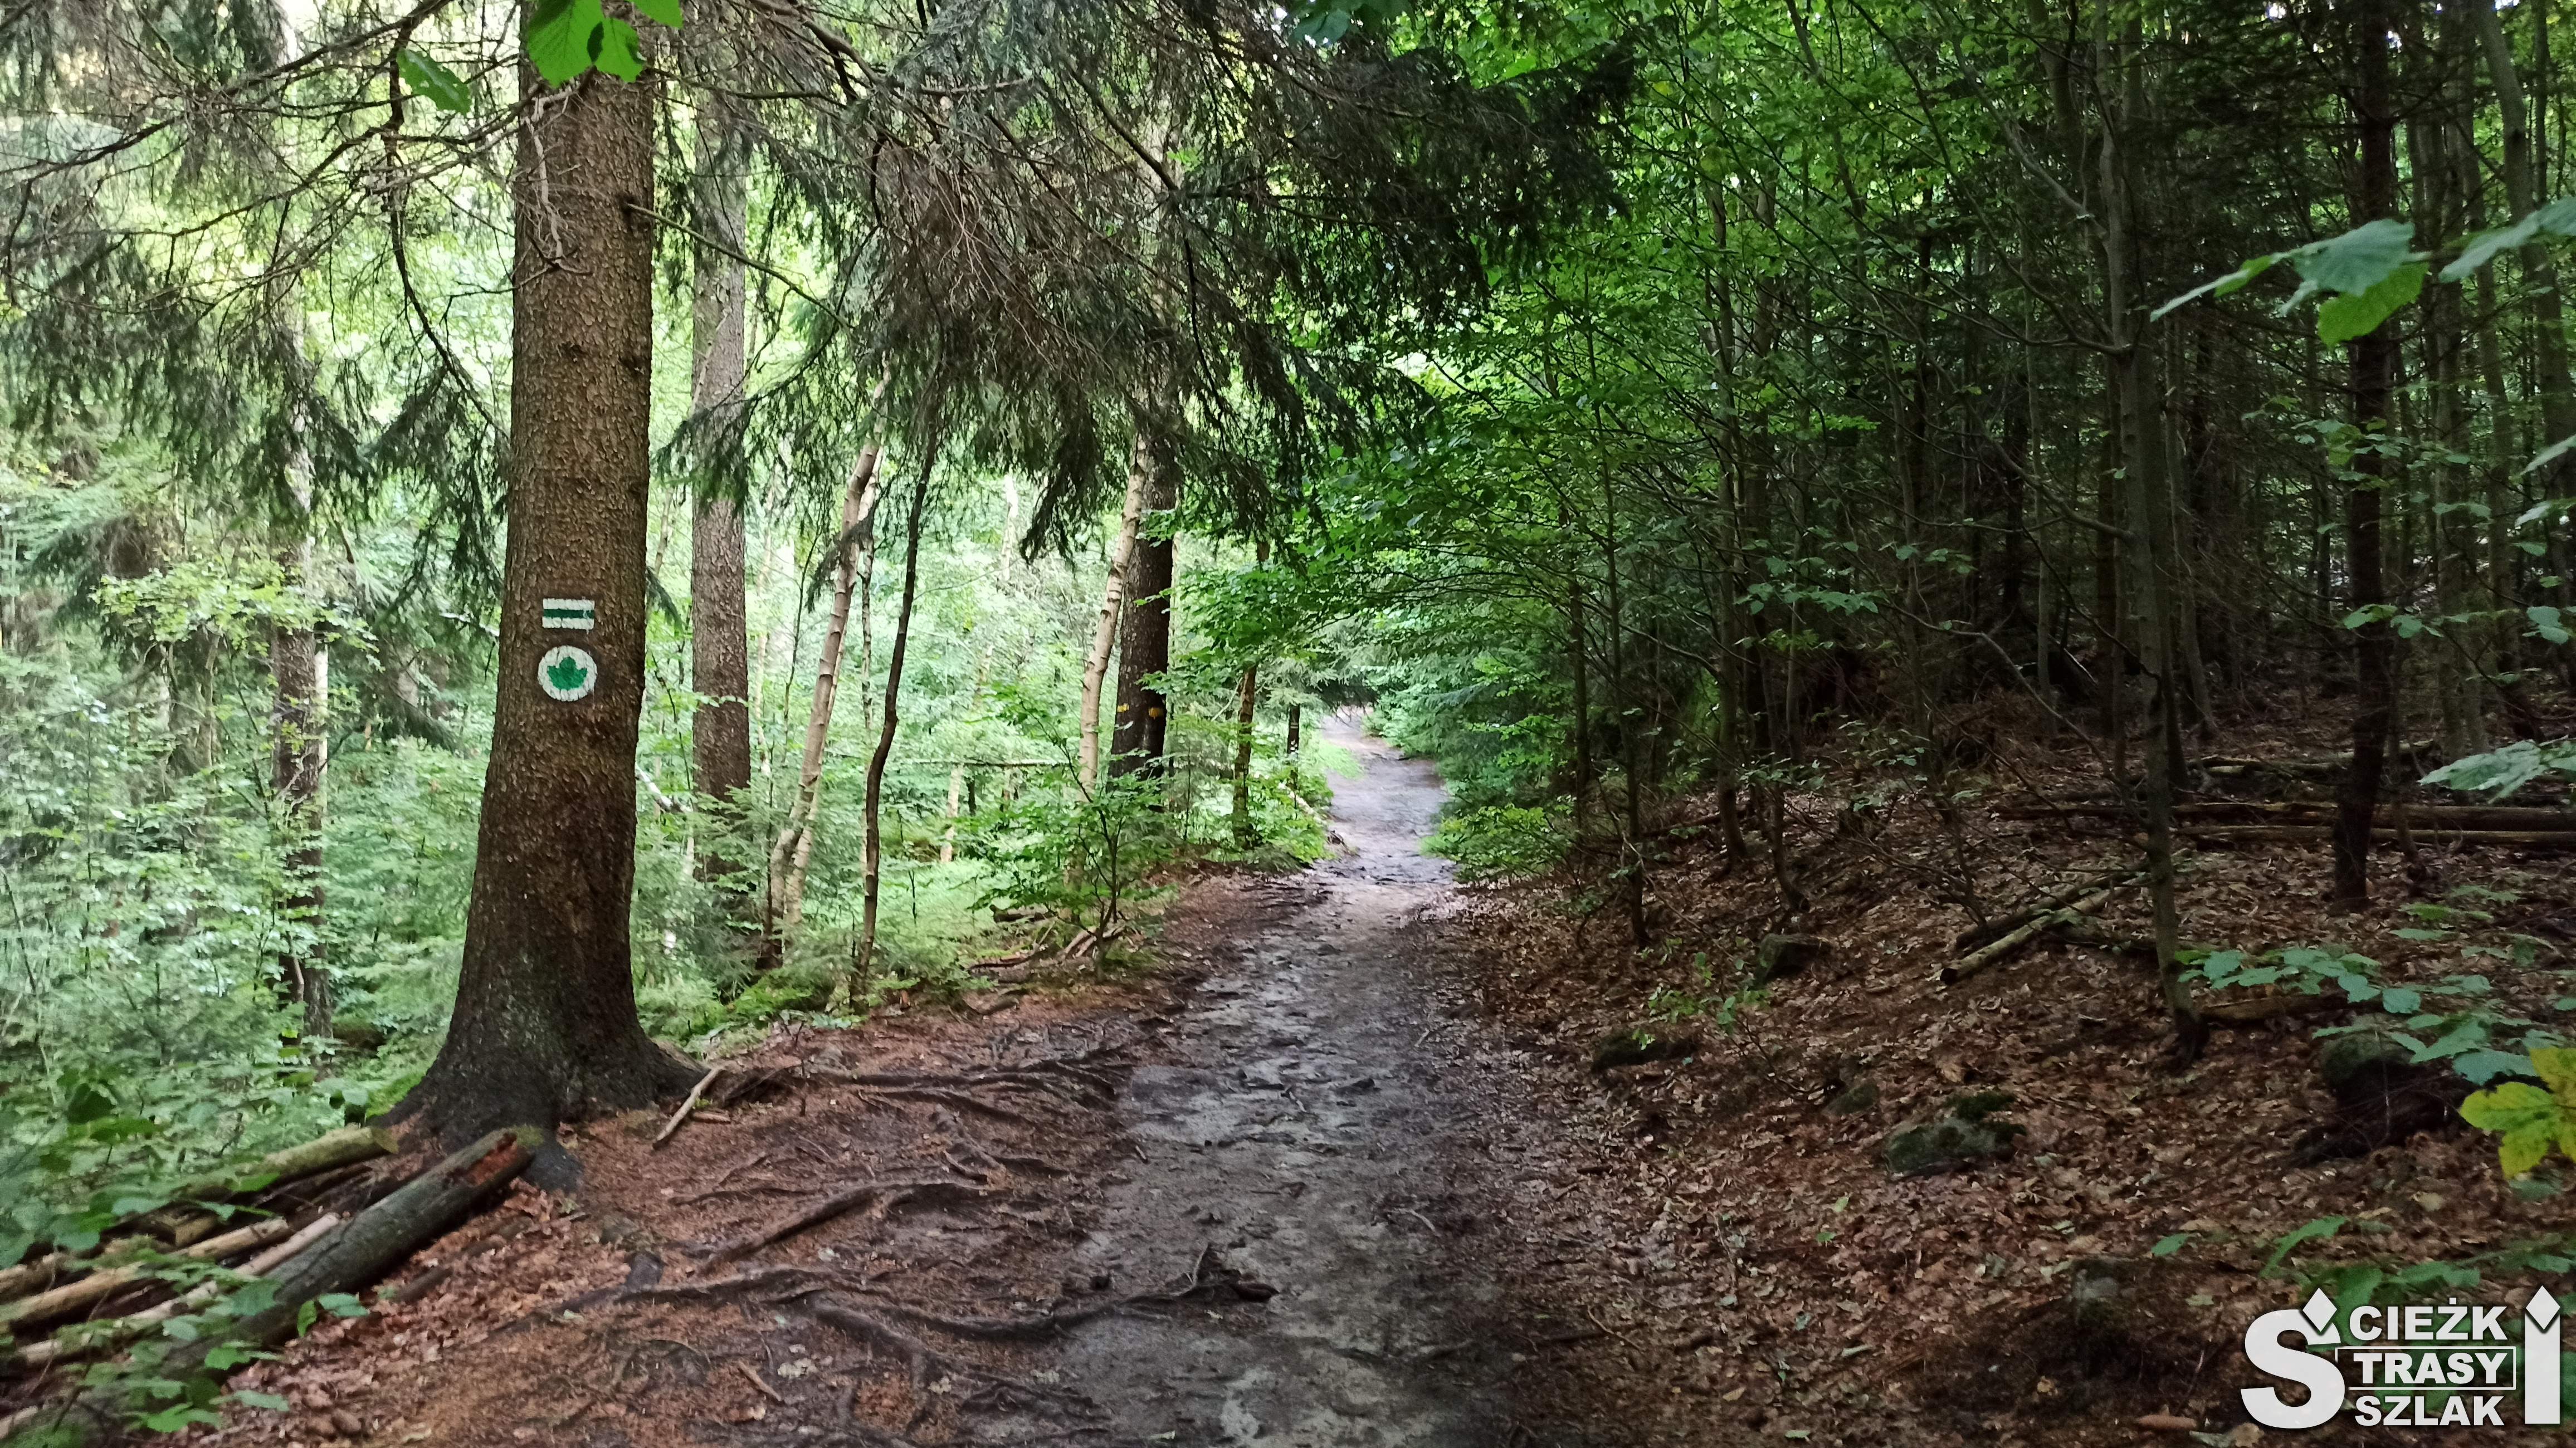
545	1025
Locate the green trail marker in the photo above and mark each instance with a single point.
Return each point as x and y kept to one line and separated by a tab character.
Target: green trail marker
567	673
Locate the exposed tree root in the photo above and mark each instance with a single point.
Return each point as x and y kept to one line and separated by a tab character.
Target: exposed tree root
923	1359
953	1098
888	1196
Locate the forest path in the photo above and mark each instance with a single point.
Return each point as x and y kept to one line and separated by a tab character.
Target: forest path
1300	1130
1291	1191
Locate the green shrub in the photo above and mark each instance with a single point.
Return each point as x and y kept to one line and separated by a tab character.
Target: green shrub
1501	842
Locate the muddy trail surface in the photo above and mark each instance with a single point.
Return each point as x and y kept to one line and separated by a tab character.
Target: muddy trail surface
1286	1190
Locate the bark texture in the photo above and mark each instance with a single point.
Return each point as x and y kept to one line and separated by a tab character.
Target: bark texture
2374	379
719	629
1104	636
300	674
873	841
1137	732
545	1025
795	844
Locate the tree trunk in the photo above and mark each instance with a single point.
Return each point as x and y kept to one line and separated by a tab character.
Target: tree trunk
2373	379
794	845
2540	272
1138	731
719	627
1246	696
1296	719
873	851
545	1025
1580	734
299	730
1104	634
2151	544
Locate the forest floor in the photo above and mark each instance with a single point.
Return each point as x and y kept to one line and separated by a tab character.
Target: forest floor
1340	1170
1285	1189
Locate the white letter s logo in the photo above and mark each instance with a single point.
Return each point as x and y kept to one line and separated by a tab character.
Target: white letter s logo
2320	1376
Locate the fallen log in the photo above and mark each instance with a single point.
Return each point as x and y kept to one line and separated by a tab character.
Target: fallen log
183	1225
2003	949
2418	816
2227	766
2386	834
106	1282
35	1276
2057	899
182	1222
340	1259
90	1337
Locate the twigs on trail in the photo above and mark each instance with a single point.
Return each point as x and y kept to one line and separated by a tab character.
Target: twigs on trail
687	1106
887	1196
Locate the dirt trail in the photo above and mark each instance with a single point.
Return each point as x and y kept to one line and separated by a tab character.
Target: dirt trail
1287	1193
1303	1129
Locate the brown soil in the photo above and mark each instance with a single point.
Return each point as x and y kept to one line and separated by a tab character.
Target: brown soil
1283	1190
1338	1171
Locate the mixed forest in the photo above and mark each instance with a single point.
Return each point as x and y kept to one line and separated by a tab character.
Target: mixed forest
544	544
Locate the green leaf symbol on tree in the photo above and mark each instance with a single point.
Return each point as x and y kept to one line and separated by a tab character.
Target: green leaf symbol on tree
566	673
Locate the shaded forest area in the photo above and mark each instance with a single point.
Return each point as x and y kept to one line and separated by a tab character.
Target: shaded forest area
545	545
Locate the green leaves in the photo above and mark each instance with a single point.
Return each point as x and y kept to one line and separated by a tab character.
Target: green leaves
2502	771
2372	269
2234	281
2357	314
2356	261
2322	1227
434	82
567	38
2529	1118
2558	218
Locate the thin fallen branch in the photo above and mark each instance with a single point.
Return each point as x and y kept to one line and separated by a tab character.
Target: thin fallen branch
683	1113
2057	899
2011	944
